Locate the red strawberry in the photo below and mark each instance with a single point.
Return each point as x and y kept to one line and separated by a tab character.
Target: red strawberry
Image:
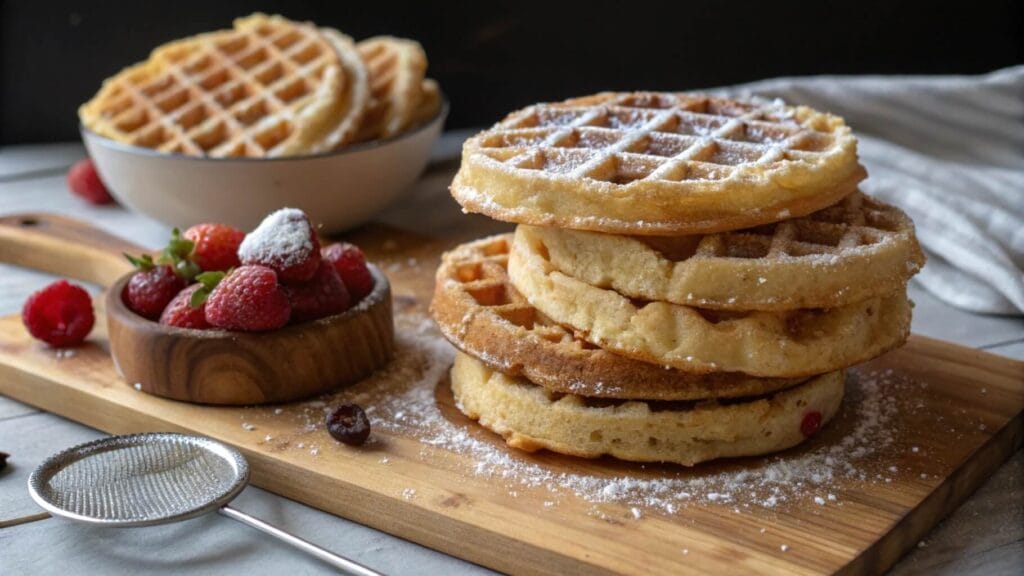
286	242
248	299
324	295
216	246
60	314
150	290
182	314
350	263
84	182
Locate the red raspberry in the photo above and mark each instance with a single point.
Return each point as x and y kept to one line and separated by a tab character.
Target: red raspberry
149	291
286	242
216	246
248	299
324	295
84	182
811	423
180	312
350	263
60	314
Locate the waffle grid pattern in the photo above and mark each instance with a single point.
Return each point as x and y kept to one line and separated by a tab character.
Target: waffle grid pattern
621	138
212	98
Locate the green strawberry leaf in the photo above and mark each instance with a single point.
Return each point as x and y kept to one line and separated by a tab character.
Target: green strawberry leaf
144	262
209	280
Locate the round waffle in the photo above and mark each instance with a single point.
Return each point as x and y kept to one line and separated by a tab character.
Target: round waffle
531	417
480	312
770	344
819	261
657	164
396	67
268	87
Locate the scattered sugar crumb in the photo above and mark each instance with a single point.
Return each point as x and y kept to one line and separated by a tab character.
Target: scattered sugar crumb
831	497
384	460
637	514
551	504
409	493
922	544
686	551
984	390
761	280
784	547
402	400
819	500
982	427
314	452
278	411
268	438
763	530
915	449
248	427
137	385
63	353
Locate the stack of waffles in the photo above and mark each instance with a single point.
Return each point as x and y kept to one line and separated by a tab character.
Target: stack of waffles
267	87
689	278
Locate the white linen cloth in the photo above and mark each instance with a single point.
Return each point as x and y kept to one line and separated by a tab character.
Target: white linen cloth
948	150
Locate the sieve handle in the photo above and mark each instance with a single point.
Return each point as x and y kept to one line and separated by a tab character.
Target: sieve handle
308	547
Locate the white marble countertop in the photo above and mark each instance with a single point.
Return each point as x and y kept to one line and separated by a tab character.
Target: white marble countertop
984	536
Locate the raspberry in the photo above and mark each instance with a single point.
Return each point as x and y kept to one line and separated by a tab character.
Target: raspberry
151	289
811	423
324	295
248	299
350	263
286	242
216	246
84	182
60	314
182	314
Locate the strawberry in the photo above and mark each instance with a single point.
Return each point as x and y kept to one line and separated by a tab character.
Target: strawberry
215	246
324	295
60	314
810	424
151	288
248	299
286	242
180	312
350	263
84	182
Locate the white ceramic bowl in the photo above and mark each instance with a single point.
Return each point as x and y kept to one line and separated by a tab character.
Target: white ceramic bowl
339	190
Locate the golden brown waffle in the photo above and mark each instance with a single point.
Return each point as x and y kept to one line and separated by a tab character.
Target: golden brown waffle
480	312
531	417
396	69
657	164
787	344
430	101
855	250
268	87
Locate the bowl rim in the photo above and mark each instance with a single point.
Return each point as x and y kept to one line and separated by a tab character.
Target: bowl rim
439	117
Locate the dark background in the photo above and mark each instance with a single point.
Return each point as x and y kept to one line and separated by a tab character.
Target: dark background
492	57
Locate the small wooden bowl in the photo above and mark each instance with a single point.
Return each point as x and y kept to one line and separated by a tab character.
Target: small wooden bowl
237	368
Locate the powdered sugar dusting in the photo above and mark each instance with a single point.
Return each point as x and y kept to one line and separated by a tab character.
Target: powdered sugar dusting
405	399
281	240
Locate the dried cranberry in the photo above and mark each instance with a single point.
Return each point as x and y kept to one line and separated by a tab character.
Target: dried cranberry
349	424
811	423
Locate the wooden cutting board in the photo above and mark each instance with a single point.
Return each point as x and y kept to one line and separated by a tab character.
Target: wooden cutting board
920	429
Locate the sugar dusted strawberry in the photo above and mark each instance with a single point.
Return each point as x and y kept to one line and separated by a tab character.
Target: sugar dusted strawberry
60	314
84	182
215	246
350	263
151	288
286	242
181	313
249	299
324	295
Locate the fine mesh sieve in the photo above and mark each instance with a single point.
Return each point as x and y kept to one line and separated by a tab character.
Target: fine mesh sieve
147	479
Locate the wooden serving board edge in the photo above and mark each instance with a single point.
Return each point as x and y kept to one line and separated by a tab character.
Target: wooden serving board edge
943	500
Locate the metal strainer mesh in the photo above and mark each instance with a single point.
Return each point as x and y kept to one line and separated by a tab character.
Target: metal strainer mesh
140	479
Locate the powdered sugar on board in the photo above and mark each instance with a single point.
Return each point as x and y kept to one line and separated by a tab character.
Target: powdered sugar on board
862	446
283	238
